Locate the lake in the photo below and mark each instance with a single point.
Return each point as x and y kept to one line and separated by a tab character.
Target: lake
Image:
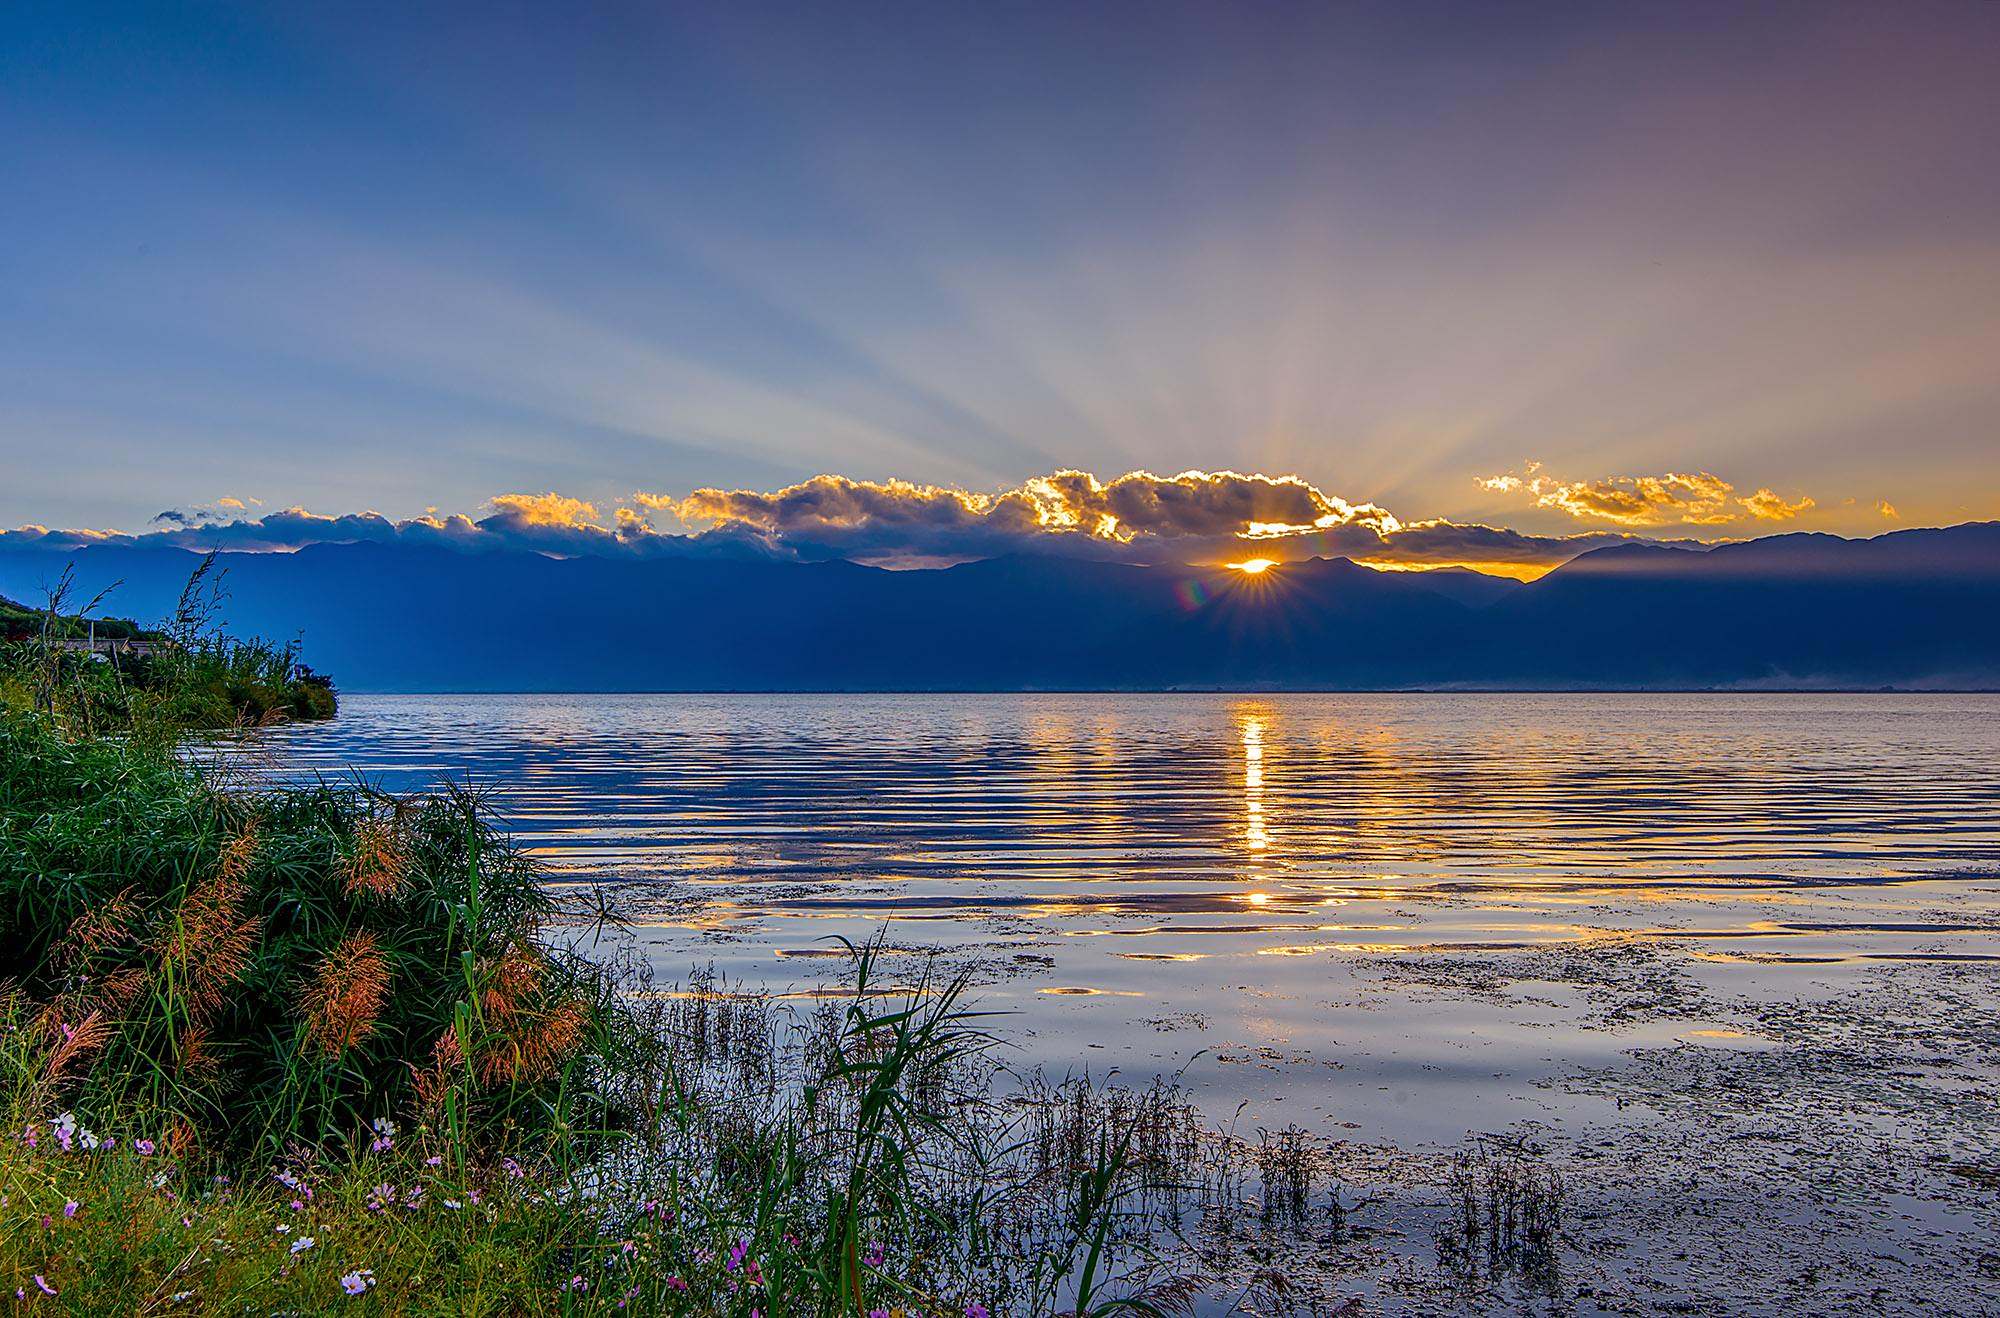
1407	914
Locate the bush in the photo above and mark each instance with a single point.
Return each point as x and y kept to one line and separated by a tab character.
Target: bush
275	968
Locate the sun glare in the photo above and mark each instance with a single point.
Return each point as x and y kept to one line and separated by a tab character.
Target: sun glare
1254	566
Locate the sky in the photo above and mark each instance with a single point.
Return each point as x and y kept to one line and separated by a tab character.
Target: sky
1401	280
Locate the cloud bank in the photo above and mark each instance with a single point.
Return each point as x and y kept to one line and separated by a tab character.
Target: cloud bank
1698	498
1190	517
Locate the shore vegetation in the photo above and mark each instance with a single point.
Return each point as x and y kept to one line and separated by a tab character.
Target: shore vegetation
310	1048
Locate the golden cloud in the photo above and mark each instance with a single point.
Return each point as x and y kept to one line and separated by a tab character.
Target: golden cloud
549	509
1191	504
1770	507
1698	498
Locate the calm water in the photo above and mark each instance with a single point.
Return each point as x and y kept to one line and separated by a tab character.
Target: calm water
1257	883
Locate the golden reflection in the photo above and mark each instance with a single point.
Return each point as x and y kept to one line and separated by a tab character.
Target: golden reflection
1255	835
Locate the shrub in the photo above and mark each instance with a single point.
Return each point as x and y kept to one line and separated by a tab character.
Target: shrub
281	967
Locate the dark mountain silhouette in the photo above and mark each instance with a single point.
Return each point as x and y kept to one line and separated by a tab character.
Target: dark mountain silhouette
1911	608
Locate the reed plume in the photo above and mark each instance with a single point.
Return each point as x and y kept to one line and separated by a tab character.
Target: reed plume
77	1044
378	863
343	1004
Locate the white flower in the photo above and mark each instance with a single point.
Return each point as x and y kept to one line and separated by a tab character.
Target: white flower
302	1244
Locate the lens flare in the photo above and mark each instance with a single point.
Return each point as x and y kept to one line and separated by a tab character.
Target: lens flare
1255	566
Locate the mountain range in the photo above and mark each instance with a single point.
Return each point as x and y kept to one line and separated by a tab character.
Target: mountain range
1915	609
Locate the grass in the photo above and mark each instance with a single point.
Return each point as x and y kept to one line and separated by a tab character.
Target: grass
191	675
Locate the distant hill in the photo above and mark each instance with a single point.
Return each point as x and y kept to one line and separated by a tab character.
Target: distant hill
1911	608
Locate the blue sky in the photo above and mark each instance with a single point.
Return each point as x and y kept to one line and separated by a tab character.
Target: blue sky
413	256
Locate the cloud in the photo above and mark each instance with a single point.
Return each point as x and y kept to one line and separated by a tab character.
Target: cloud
1139	517
1769	507
1888	510
1699	498
516	522
228	508
549	509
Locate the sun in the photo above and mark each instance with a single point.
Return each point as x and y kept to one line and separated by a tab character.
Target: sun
1255	566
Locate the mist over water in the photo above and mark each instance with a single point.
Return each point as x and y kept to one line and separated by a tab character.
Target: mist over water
1268	885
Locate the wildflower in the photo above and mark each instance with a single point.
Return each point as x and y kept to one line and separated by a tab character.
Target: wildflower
302	1244
145	1147
69	1209
357	1281
453	1205
878	1313
513	1168
736	1253
976	1310
874	1256
578	1284
385	1136
42	1284
298	1205
28	1137
676	1284
434	1161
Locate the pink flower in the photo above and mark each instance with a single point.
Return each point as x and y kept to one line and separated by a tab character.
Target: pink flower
145	1147
42	1284
976	1310
69	1209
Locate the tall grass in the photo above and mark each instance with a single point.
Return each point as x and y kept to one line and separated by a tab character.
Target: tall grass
194	675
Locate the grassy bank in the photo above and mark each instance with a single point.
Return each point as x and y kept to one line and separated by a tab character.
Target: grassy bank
316	1048
94	675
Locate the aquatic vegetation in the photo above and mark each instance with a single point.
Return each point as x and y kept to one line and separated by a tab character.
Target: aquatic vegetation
1509	1211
